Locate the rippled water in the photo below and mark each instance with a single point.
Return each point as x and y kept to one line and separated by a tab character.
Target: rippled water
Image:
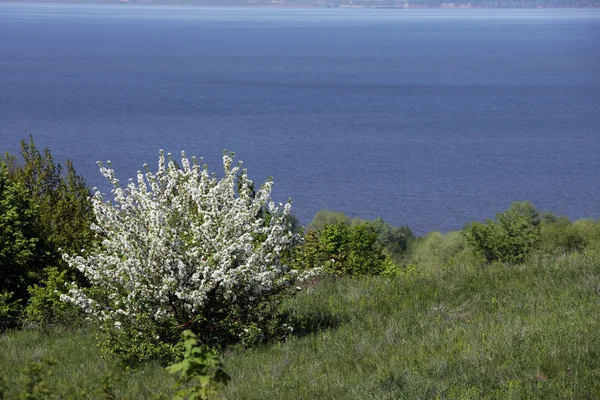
428	118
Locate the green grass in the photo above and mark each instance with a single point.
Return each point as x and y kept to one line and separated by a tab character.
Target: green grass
510	332
79	369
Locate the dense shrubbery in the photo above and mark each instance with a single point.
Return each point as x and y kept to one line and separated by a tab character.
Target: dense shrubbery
354	247
21	248
62	199
352	250
43	213
514	234
522	230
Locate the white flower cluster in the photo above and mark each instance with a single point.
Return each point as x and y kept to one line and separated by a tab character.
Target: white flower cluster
177	238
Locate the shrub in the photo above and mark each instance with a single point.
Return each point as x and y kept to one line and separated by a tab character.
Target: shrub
64	211
589	229
43	211
45	307
395	240
22	254
559	235
511	238
10	310
345	249
182	249
437	249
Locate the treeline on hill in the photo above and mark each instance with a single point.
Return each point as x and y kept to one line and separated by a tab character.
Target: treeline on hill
46	211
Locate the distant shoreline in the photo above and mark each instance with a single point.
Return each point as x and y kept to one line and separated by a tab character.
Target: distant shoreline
281	5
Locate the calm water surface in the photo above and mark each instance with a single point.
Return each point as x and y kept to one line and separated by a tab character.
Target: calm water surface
425	118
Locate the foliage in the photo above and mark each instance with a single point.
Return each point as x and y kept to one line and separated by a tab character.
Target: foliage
35	380
21	248
141	340
392	269
61	197
201	365
183	249
437	249
589	229
326	217
45	307
559	235
511	238
42	211
345	249
395	240
10	310
365	252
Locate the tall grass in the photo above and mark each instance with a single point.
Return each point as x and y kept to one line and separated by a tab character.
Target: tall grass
458	331
79	368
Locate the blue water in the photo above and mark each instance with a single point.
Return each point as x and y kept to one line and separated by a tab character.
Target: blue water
425	118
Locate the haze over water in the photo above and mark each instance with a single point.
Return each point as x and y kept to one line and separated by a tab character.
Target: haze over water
427	118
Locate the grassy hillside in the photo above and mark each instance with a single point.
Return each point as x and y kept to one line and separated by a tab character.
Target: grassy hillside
499	331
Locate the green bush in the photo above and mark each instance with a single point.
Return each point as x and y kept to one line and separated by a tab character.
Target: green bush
61	197
345	249
22	250
437	249
561	236
511	238
395	240
589	229
142	341
45	307
44	211
10	310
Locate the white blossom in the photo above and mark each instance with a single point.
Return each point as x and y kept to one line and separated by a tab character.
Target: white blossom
179	236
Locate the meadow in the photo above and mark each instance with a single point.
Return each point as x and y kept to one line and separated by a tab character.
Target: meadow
450	332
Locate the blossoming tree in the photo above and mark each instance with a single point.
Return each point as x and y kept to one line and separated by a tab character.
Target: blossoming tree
182	249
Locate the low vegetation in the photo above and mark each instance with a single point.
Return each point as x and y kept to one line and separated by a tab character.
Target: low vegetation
505	308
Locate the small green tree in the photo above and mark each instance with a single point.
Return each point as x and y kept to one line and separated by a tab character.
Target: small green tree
61	196
10	309
44	211
511	238
345	249
366	252
22	253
